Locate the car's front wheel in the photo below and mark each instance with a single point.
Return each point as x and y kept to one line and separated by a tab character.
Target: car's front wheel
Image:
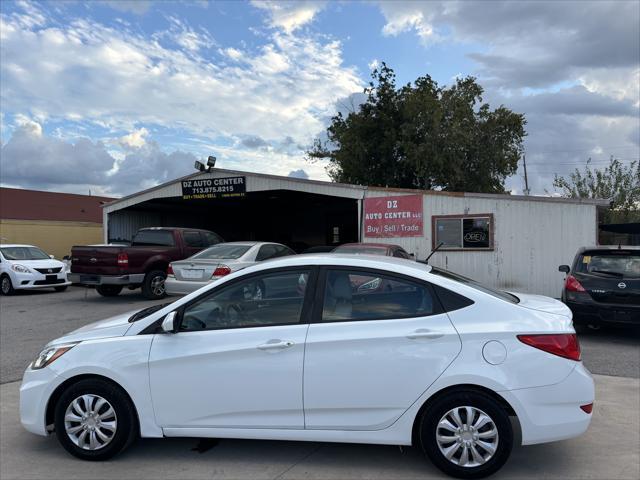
153	286
95	420
6	287
466	434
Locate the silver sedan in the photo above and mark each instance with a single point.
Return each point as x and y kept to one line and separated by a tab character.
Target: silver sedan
188	275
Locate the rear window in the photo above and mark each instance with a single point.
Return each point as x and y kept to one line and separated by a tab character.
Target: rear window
156	238
223	251
362	250
501	294
616	263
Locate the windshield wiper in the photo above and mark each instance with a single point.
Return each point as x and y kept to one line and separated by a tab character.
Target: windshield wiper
608	272
145	312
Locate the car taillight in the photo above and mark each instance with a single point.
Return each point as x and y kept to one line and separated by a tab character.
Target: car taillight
588	408
562	344
221	271
123	260
170	270
573	285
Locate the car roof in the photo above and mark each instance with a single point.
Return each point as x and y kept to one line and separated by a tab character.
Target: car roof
344	259
609	248
369	245
3	245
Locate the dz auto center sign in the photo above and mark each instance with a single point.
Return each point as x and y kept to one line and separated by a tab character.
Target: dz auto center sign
399	216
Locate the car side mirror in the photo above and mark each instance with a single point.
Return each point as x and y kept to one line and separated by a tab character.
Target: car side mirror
52	256
170	323
412	256
564	268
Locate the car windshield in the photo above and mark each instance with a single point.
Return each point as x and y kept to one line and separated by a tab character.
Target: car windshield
614	264
362	250
501	294
222	251
23	253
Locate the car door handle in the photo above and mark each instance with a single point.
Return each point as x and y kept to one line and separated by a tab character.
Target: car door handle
424	333
276	345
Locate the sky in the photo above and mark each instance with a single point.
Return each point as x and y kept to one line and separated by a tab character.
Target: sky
116	96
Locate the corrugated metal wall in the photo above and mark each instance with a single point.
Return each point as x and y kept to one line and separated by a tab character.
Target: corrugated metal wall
531	238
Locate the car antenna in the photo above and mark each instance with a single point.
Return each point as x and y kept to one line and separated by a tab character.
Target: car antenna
432	252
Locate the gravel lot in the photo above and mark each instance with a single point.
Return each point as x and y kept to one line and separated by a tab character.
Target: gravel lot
31	319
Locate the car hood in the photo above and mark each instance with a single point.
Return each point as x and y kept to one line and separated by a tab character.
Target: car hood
542	304
115	326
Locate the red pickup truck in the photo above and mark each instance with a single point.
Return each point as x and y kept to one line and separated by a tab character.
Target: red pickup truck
143	264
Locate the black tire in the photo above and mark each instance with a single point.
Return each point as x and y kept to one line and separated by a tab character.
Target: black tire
6	287
60	289
126	430
109	290
428	431
153	285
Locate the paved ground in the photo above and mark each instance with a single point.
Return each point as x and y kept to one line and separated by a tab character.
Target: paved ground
29	320
609	450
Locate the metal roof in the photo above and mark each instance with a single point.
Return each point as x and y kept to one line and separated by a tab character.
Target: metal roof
19	204
347	186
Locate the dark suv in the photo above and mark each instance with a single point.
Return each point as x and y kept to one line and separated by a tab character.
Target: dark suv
603	285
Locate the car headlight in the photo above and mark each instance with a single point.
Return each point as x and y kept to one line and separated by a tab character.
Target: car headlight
50	355
19	268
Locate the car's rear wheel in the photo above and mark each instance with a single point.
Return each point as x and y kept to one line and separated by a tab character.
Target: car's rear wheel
6	287
153	286
95	420
109	290
466	434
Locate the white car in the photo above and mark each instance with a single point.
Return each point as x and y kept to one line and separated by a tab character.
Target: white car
25	267
433	360
188	275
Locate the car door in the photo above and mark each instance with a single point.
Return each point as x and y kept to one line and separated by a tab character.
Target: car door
376	343
237	360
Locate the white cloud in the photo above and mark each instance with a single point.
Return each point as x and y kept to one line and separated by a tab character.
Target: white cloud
135	139
139	7
290	15
408	21
373	64
120	80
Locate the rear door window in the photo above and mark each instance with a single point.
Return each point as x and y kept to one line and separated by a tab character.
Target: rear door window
193	239
368	295
266	252
211	238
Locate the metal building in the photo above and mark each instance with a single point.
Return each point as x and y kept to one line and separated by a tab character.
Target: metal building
508	241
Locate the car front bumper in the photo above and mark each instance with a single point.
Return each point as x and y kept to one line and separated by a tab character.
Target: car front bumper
34	280
174	286
551	413
35	391
88	279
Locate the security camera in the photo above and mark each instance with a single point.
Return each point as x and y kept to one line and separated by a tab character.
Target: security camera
199	166
211	161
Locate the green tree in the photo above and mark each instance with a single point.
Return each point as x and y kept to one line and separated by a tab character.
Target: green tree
423	136
617	182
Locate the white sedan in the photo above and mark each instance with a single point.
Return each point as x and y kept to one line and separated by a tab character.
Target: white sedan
25	267
432	360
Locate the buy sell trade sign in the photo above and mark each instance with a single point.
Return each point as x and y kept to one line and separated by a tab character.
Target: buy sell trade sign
399	216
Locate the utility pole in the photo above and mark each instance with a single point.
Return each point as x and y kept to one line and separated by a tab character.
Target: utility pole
526	179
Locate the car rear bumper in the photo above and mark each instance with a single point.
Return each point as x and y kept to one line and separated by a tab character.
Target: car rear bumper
553	412
591	312
88	279
182	287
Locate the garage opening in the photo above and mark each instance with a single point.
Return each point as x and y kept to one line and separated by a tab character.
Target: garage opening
297	219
